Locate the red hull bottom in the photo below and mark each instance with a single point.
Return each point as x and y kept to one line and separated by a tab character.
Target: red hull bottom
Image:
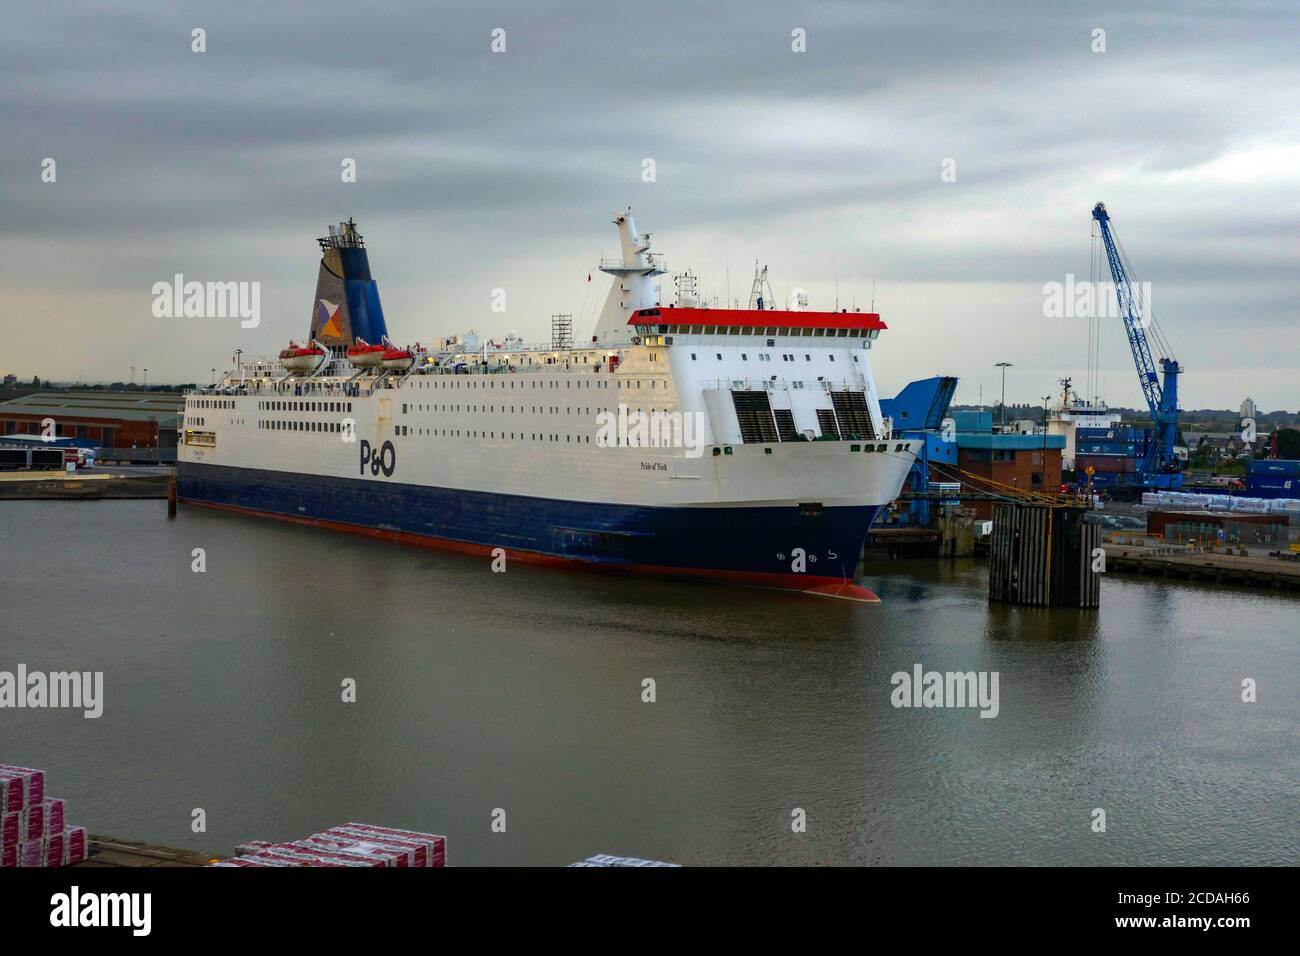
813	584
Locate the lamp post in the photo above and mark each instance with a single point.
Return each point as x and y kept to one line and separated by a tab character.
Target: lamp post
1002	414
1046	400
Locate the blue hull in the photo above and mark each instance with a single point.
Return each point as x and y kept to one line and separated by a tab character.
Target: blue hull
754	544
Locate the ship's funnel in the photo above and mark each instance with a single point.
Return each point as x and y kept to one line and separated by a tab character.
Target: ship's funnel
347	299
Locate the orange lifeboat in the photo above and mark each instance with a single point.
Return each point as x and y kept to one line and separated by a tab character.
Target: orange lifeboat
300	358
398	359
365	355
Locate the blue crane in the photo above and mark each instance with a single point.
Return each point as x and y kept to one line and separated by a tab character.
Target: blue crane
1161	465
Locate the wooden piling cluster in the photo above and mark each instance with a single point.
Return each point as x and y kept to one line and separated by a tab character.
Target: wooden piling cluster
1042	554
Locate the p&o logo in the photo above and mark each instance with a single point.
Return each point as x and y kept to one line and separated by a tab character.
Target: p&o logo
385	459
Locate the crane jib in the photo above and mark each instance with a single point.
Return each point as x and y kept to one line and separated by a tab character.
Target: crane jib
1161	401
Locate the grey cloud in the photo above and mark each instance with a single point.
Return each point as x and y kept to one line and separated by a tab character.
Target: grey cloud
478	170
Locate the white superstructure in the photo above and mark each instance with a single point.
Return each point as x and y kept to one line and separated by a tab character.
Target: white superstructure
1071	413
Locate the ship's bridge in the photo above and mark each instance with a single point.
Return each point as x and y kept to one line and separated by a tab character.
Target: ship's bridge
756	322
766	375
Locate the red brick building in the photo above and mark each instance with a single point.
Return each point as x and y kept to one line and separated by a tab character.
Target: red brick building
1025	462
112	419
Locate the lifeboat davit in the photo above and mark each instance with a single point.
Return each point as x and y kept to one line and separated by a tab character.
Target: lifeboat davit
364	355
398	359
299	358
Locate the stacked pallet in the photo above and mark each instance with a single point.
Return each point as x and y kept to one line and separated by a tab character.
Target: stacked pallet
32	828
353	844
604	859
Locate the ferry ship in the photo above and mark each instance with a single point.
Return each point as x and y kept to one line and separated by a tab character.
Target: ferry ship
772	461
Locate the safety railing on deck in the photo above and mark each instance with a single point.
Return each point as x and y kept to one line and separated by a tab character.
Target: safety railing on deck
346	382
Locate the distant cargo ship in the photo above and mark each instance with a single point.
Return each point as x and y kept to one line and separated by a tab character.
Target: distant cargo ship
738	444
1098	448
1074	417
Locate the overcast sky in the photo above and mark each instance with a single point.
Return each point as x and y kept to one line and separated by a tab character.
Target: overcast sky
479	170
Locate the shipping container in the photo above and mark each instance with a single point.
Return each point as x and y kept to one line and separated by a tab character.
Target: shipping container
1273	466
39	458
1099	448
1272	486
1105	464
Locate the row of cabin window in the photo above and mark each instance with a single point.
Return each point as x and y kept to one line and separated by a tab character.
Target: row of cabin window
763	357
492	409
285	425
407	431
419	407
492	383
295	426
211	403
272	405
756	330
883	446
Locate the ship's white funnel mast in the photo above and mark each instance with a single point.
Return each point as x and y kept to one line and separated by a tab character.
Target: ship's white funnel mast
633	286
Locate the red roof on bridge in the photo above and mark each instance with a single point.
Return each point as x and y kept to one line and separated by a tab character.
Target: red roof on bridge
758	317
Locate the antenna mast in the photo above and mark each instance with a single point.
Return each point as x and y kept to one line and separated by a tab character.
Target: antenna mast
761	295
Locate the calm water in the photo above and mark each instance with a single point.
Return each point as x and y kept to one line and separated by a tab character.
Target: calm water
523	691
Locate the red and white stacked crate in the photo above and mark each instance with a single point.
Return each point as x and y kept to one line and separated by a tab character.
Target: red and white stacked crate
605	859
353	844
32	828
